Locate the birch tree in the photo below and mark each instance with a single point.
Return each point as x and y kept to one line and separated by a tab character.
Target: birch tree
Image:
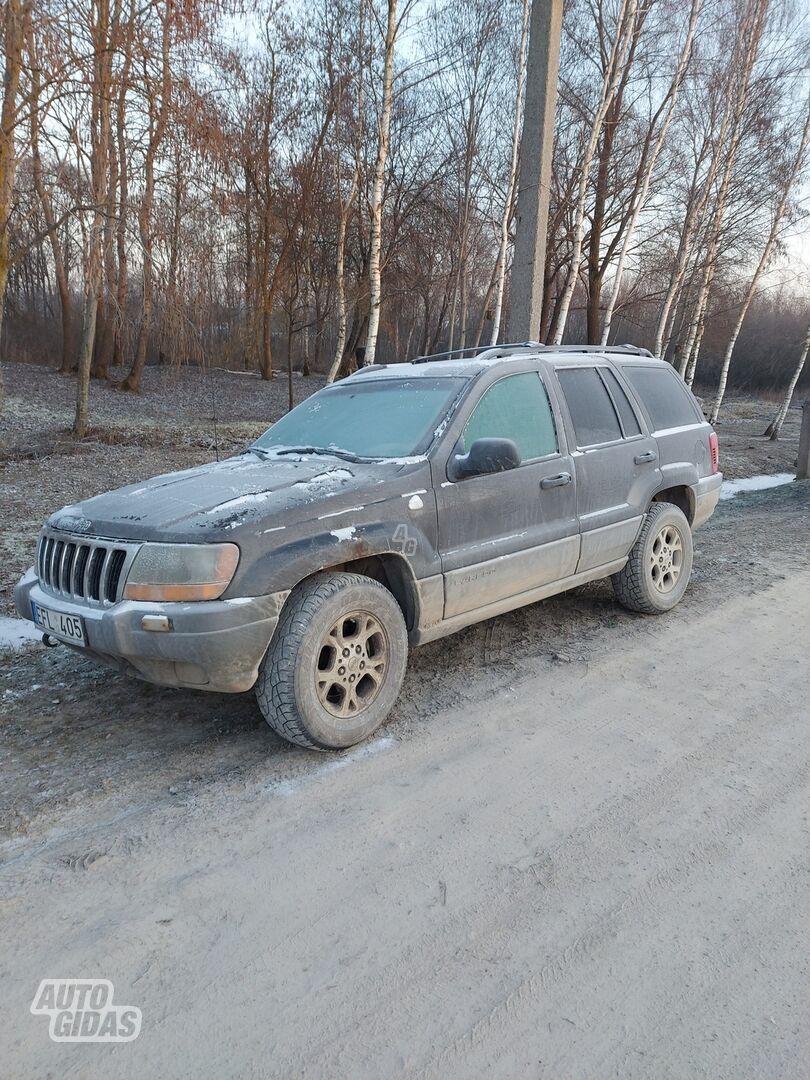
774	429
613	70
665	110
750	38
393	25
778	214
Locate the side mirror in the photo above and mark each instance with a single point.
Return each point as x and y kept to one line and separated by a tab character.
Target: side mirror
487	456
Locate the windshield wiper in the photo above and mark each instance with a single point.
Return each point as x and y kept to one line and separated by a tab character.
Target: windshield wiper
345	454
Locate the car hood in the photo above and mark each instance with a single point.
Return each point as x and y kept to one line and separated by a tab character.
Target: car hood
226	496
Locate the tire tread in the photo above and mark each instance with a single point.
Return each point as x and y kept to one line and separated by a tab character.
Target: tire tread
275	688
629	582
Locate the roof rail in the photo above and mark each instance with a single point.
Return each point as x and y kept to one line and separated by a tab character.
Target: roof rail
478	350
633	350
510	347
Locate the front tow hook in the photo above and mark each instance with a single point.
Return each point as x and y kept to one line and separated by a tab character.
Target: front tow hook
50	642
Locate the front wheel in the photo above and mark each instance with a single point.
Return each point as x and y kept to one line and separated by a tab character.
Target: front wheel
657	571
336	663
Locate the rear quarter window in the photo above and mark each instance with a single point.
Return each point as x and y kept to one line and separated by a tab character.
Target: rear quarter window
664	395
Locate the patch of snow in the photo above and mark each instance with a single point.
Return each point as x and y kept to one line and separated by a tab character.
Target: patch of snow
241	500
408	494
326	483
276	528
337	513
16	634
732	488
343	534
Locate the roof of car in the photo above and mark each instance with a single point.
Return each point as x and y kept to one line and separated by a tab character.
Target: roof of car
464	363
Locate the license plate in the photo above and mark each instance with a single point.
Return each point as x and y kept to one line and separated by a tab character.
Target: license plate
59	624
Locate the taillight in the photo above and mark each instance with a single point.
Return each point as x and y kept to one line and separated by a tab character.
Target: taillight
714	450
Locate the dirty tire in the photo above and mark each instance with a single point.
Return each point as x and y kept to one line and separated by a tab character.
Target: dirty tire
657	572
291	689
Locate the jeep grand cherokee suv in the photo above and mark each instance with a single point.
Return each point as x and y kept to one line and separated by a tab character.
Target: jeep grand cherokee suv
397	506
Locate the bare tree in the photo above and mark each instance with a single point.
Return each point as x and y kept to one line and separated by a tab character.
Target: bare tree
750	39
776	221
664	114
774	429
393	26
614	68
159	94
100	36
17	15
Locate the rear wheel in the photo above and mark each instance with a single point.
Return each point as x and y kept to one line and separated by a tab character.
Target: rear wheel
657	572
336	663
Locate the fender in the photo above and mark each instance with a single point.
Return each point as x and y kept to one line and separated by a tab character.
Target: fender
284	565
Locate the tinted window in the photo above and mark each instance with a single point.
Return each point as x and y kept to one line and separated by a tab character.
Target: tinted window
665	396
379	418
620	400
592	412
515	408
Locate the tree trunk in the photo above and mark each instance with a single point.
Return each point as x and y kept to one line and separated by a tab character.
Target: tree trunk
122	281
749	41
641	195
610	82
779	213
774	429
67	362
100	145
16	20
374	275
340	268
159	111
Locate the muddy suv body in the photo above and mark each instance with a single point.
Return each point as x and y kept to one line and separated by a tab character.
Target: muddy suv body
399	505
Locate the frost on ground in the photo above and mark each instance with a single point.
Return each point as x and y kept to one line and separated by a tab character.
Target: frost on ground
16	634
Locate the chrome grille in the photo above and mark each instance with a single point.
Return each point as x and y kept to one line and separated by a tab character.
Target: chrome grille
79	568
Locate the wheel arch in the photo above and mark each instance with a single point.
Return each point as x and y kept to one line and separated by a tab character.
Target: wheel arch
389	569
680	495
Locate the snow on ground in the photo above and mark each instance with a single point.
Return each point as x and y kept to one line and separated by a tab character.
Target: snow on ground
731	488
17	633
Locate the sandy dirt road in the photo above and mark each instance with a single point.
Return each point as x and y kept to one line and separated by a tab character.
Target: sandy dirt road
589	865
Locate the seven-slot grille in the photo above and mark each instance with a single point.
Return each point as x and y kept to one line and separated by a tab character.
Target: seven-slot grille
82	569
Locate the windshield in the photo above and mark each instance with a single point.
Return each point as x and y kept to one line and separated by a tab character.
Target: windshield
386	418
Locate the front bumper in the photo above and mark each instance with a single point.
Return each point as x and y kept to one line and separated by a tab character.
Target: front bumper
212	645
707	494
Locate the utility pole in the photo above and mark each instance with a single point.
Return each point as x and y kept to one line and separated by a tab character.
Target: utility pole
534	184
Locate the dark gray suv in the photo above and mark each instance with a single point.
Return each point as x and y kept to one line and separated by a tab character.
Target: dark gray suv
396	506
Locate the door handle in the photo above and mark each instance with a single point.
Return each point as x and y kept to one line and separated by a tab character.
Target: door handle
650	455
556	481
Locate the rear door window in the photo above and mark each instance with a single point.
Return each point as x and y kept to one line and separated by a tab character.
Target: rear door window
516	408
627	415
665	396
590	405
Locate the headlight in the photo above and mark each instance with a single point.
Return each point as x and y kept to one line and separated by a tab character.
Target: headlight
181	571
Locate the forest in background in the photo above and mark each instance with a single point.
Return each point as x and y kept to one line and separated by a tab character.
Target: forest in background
287	184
